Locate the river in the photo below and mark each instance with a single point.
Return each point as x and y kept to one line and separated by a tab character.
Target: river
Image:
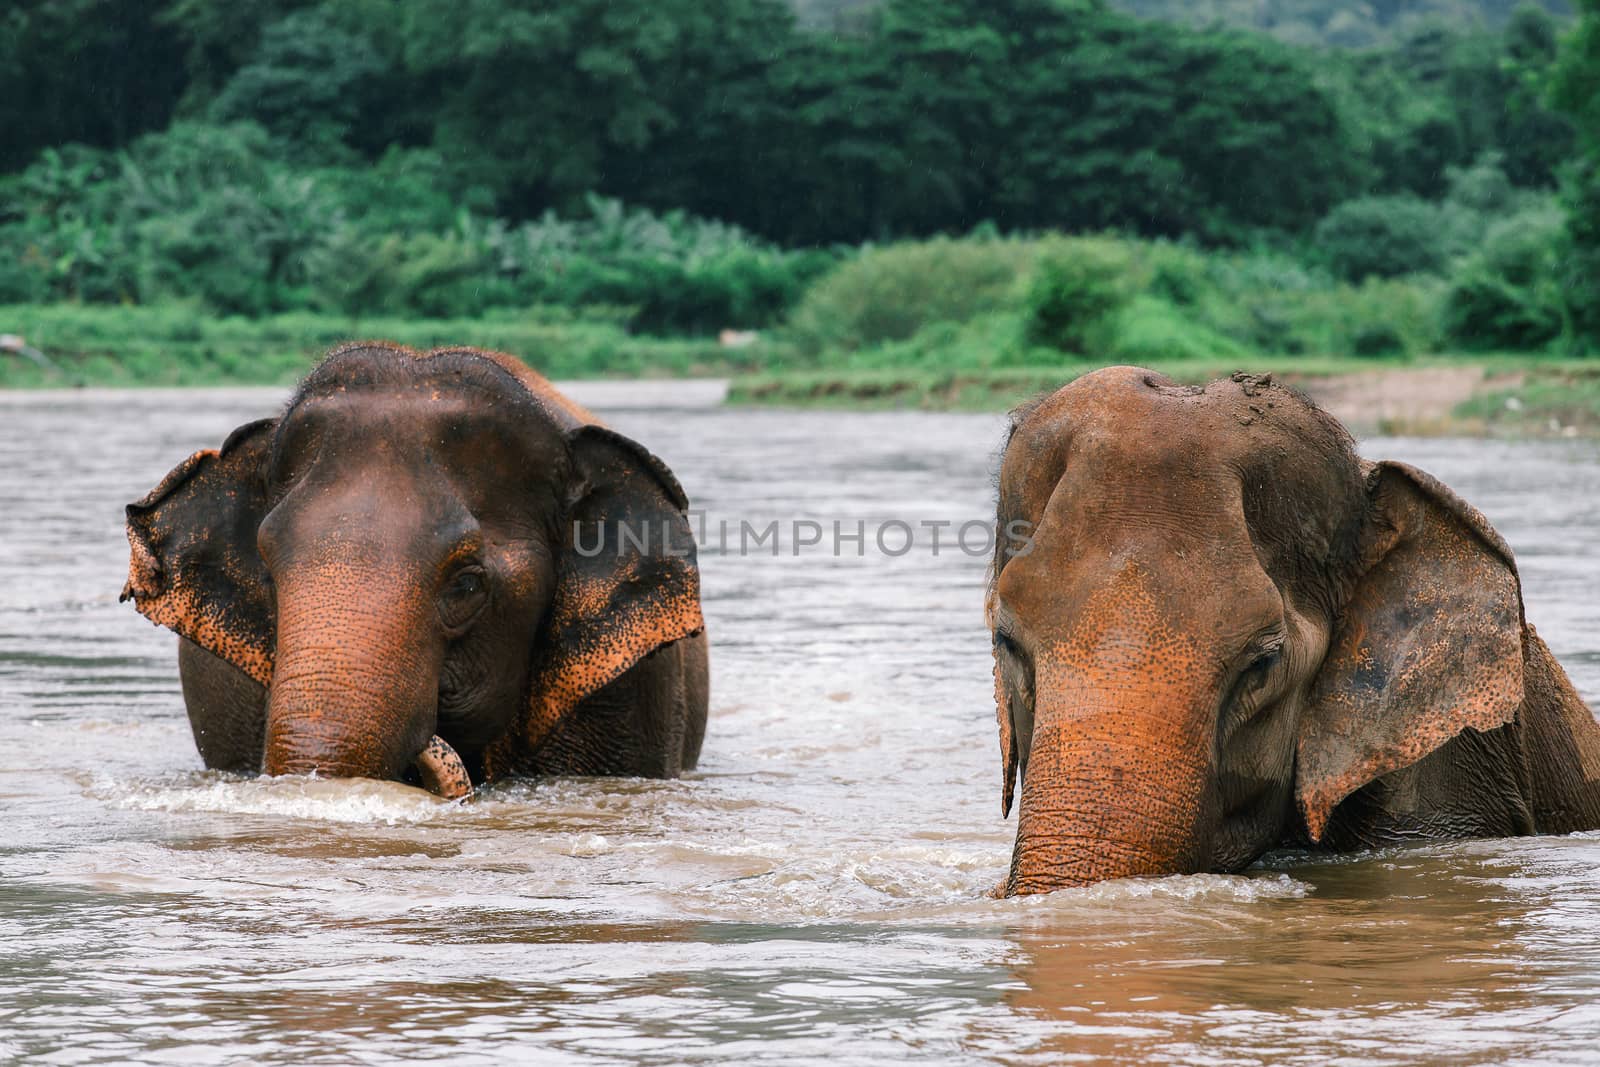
814	893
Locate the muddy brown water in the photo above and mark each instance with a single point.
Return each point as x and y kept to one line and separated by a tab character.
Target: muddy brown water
813	894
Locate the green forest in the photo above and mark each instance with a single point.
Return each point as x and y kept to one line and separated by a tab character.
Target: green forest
924	183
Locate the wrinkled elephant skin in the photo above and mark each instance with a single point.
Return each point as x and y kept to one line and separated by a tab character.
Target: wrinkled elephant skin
385	582
1228	633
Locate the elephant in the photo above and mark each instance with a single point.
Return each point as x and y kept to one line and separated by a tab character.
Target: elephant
432	567
1217	631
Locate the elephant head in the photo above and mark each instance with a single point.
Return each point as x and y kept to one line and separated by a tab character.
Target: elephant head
1224	624
428	559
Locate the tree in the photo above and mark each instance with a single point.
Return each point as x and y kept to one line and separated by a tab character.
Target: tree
1534	139
551	100
98	72
1142	126
1576	90
306	83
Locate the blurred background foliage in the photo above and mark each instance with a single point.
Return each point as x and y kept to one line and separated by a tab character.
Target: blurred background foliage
993	181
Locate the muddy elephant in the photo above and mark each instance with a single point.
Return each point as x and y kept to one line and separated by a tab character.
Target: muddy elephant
430	567
1217	630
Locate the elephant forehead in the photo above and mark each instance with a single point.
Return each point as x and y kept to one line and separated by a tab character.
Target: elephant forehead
1137	428
375	364
1144	414
424	423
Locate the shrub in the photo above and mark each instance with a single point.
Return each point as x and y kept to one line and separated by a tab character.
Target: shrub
1581	276
432	274
1378	318
1510	294
889	293
212	213
1377	339
1385	237
186	345
1151	330
196	211
982	343
1078	286
676	273
1177	273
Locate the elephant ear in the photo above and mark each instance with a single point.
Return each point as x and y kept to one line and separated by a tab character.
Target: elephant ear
1429	643
626	584
194	567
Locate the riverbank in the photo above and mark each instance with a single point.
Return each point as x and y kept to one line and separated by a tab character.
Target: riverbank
1519	395
1501	395
103	346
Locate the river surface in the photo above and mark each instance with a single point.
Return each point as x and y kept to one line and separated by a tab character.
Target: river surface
814	893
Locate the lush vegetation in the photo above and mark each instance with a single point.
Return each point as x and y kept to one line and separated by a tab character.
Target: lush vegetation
936	116
182	345
1577	91
1479	271
952	184
1334	22
213	214
1308	22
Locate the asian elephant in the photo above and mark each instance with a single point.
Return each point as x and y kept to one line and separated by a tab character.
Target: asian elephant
430	567
1217	630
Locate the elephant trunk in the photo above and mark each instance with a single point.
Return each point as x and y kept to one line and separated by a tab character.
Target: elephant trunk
1115	787
355	687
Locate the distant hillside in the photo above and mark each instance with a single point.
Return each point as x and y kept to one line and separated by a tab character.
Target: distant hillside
1312	22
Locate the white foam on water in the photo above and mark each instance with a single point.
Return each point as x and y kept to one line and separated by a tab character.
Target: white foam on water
589	845
322	799
1177	888
955	888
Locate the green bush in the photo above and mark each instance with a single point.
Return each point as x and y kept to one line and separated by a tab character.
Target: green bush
1153	330
677	273
889	293
1510	294
1109	298
435	275
1178	274
178	344
981	344
1377	339
212	213
1245	297
1077	287
1378	318
198	211
1385	237
1580	279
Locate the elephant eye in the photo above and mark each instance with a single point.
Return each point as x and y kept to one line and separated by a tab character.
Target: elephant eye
1010	651
463	597
1259	667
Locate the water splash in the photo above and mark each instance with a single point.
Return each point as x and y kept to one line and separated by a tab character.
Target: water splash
294	797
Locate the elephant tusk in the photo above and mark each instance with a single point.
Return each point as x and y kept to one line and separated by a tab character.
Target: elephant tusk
442	771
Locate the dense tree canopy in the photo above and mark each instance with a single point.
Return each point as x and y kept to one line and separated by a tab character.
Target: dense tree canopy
95	71
1336	22
926	116
681	165
1577	90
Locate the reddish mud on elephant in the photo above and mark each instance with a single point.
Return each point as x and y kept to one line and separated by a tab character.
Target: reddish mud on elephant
1229	633
386	581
